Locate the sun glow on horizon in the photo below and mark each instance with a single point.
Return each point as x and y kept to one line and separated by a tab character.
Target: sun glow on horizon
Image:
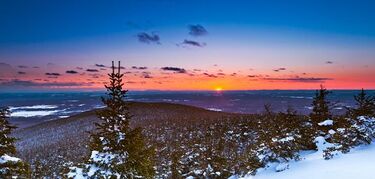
218	89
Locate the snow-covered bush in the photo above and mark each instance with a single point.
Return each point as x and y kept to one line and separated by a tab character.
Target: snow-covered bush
248	163
282	135
357	132
356	128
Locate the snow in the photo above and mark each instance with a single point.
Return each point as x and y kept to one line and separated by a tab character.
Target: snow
359	163
77	174
6	158
33	113
366	119
285	139
322	144
100	158
214	109
327	122
331	132
282	167
34	107
104	158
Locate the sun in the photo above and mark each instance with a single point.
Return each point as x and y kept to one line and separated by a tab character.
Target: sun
218	89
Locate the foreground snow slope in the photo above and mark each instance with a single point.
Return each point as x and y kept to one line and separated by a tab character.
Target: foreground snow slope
358	163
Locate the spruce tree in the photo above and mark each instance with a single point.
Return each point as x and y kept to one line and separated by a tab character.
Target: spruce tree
117	150
365	105
320	112
361	118
10	167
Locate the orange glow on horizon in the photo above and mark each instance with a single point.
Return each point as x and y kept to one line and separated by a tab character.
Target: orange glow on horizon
155	79
218	89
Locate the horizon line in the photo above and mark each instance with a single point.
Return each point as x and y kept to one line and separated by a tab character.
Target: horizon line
156	90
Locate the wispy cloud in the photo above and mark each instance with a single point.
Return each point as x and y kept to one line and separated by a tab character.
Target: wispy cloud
139	68
52	74
299	79
92	70
22	66
25	83
146	75
279	69
148	38
174	69
197	30
210	75
100	65
71	72
192	43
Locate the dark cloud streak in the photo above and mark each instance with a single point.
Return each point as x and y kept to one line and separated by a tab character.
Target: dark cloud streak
139	68
92	70
24	83
71	72
100	65
175	69
52	74
197	30
210	75
148	38
299	79
279	69
192	43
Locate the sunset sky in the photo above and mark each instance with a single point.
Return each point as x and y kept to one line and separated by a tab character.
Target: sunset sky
187	45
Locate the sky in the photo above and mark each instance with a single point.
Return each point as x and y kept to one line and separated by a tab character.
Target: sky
187	45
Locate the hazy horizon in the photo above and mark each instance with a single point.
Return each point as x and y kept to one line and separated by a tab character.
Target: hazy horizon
155	90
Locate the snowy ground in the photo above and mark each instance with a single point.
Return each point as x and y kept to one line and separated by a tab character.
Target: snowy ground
358	163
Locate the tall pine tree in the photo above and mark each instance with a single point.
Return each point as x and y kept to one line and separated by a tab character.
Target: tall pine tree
10	167
365	105
117	150
320	111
